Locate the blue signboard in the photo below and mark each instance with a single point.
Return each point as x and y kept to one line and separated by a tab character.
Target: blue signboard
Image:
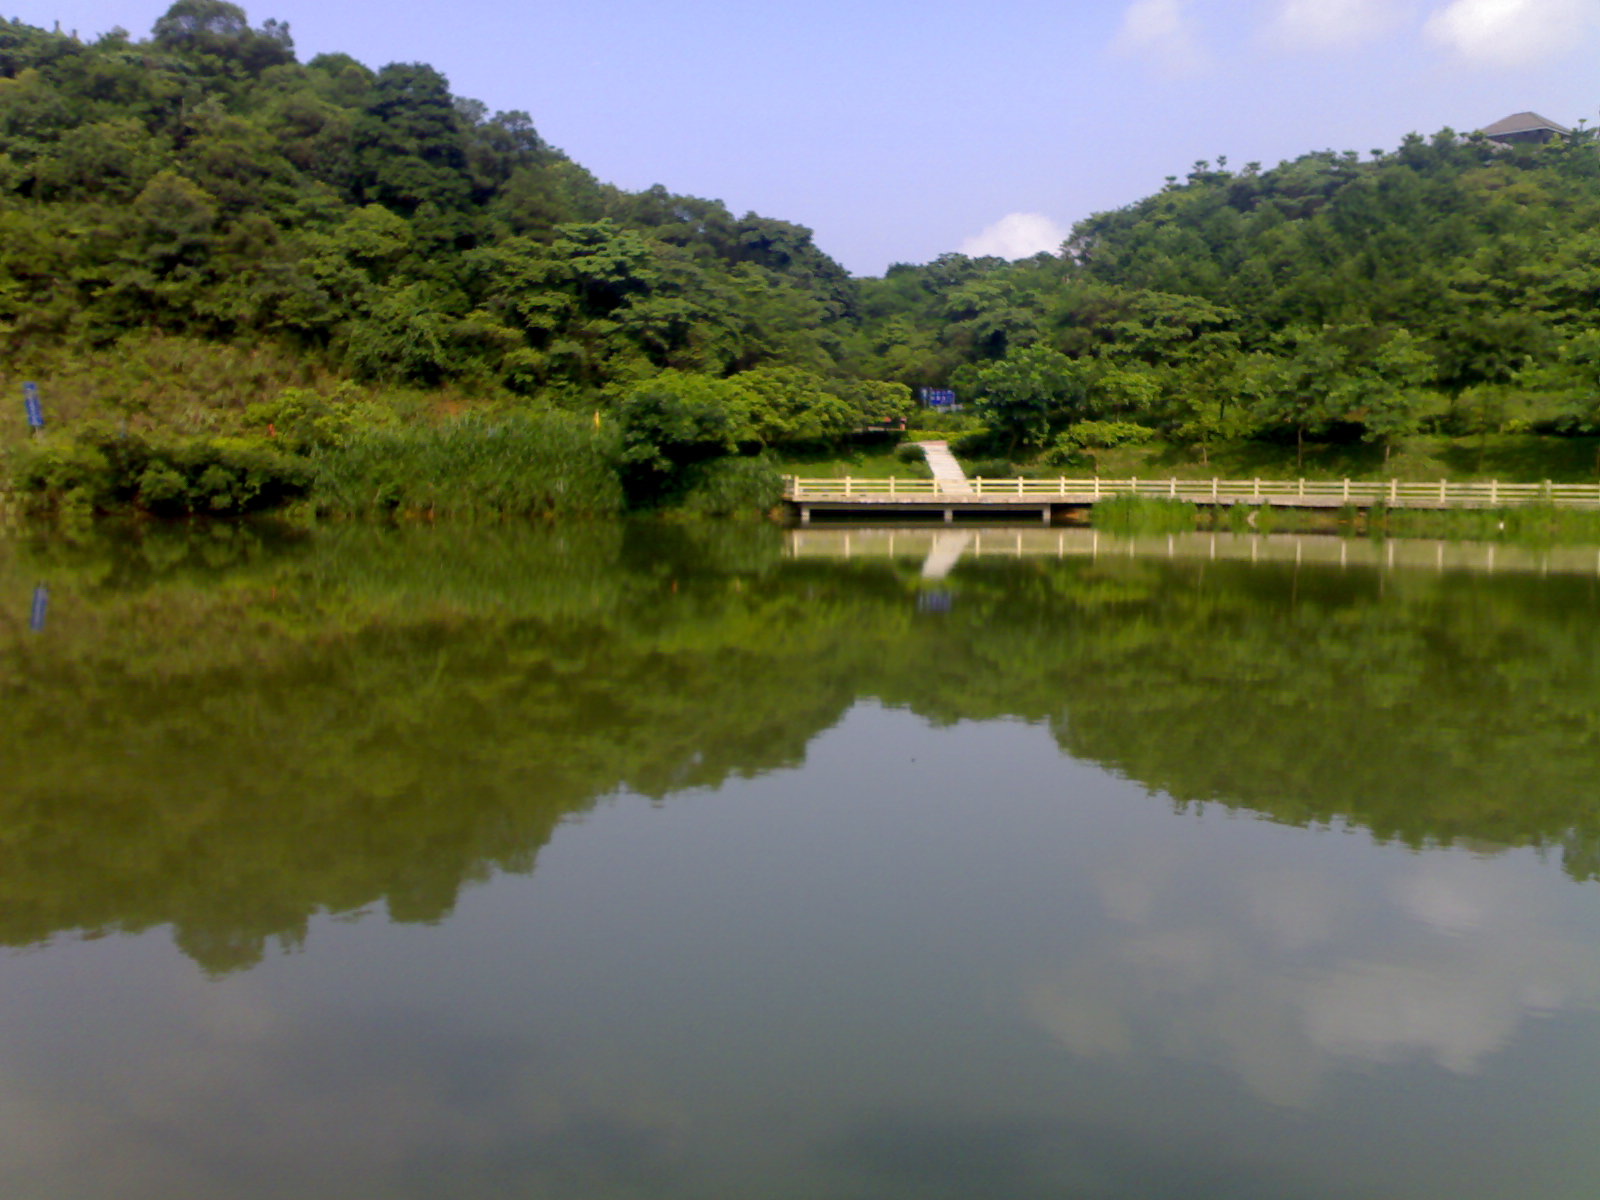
937	397
30	401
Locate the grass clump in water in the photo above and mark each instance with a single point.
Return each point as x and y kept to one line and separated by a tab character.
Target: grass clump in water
1144	515
1528	524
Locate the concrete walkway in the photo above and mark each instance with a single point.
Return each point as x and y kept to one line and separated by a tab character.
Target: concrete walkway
946	470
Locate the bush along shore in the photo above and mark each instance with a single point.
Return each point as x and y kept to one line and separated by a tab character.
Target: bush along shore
308	456
470	468
311	458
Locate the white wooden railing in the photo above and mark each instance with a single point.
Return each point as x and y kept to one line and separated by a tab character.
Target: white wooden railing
1320	492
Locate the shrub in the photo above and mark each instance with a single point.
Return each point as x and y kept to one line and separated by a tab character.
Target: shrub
65	474
977	444
1079	440
733	486
162	490
99	470
992	468
229	476
305	420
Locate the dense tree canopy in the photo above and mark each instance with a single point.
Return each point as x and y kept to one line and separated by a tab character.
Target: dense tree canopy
204	183
1448	285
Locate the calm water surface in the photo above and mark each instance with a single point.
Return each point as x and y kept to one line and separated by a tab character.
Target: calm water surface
642	861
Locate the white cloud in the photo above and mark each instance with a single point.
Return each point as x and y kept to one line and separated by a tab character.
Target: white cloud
1018	235
1318	23
1511	33
1162	30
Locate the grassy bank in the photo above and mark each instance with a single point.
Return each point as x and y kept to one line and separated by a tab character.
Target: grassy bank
510	464
1531	525
877	459
360	456
1513	458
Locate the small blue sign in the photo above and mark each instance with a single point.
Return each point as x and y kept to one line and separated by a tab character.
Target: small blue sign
30	401
938	397
41	608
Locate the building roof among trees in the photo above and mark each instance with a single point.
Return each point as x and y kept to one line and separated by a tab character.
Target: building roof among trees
1523	122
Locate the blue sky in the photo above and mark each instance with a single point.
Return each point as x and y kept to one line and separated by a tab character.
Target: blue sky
899	131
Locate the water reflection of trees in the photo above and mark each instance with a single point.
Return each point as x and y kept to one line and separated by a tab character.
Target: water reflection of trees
230	731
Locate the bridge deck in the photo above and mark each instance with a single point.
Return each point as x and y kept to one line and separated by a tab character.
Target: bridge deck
1042	496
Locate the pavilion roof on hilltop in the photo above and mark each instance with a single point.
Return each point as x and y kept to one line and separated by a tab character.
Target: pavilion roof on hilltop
1523	122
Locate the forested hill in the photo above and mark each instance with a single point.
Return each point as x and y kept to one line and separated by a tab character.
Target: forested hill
1452	284
196	220
202	183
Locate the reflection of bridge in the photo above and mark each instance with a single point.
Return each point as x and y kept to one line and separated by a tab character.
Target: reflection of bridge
886	498
940	550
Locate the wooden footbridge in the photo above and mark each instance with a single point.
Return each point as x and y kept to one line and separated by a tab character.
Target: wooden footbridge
886	499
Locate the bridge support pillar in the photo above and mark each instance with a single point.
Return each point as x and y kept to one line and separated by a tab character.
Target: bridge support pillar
1045	513
805	514
949	516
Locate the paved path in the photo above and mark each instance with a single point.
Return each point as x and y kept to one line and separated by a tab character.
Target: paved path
946	470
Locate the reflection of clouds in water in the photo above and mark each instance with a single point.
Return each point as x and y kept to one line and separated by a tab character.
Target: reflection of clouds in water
1149	1004
243	1104
1443	961
1132	892
1295	909
1447	893
1181	959
1387	1012
1082	1013
1484	955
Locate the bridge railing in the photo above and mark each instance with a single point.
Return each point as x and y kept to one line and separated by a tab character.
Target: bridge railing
1489	494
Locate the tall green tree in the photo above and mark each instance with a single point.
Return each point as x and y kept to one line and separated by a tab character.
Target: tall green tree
1025	394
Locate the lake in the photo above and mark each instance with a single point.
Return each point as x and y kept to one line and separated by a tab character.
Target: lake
694	862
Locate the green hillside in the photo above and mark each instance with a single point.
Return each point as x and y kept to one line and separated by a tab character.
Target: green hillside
215	257
1449	286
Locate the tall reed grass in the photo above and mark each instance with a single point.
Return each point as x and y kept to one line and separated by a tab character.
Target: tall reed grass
518	464
1144	515
1528	524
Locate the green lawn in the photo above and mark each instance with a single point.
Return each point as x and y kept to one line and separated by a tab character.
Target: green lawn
877	460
